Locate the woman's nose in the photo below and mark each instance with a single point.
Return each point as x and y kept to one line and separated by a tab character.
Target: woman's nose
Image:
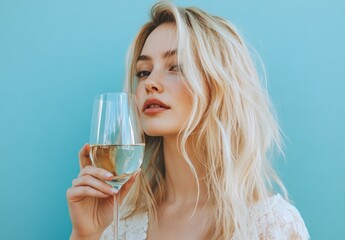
154	83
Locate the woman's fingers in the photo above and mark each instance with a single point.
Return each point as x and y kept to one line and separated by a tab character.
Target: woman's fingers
87	180
75	194
90	181
84	156
89	186
93	178
99	173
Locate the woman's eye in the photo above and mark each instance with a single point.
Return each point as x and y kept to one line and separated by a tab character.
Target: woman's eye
175	68
142	74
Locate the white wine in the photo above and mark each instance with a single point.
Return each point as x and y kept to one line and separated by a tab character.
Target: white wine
121	160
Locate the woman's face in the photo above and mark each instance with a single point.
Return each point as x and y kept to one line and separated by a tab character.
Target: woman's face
163	99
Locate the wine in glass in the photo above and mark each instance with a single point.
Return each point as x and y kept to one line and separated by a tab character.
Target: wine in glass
116	140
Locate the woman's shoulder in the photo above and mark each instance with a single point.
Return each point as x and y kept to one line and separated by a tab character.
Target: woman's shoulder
275	218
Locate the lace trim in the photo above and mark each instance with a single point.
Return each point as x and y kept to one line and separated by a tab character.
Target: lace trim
273	219
133	228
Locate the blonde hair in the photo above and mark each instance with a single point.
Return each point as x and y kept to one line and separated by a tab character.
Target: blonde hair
232	125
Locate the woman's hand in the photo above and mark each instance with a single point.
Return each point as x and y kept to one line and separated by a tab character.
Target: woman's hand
90	199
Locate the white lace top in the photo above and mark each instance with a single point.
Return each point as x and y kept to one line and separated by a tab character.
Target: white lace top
274	218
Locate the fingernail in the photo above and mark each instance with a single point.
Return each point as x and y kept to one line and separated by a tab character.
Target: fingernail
114	190
108	175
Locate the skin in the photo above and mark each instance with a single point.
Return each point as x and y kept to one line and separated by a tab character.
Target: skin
159	79
158	72
90	199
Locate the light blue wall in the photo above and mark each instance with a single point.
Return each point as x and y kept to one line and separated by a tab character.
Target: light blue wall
55	56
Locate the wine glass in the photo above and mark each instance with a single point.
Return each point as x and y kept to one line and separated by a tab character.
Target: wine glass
116	140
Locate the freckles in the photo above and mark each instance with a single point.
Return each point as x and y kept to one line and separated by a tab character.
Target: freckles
181	90
176	86
137	92
140	88
139	95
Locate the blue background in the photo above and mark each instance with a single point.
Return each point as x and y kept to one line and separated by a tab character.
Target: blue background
55	56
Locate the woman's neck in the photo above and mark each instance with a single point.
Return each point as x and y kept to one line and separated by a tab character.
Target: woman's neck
181	185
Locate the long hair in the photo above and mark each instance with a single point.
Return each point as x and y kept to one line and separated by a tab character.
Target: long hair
232	125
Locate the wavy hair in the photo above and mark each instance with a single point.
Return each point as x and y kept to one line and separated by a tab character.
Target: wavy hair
232	124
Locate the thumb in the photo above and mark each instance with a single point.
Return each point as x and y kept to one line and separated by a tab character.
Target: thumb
84	156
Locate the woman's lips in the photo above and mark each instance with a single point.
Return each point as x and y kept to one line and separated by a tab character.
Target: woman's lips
154	106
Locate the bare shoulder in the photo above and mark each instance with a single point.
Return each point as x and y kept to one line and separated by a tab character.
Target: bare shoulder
275	218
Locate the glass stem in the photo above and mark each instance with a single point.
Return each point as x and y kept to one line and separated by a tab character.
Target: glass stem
116	216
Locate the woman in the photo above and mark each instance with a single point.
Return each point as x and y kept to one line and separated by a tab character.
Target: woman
209	131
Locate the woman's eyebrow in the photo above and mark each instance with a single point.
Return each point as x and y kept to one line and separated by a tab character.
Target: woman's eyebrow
143	58
166	54
169	53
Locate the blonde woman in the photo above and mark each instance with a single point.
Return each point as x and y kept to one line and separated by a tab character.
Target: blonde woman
209	132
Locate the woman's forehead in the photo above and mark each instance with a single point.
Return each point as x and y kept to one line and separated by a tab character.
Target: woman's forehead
161	40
